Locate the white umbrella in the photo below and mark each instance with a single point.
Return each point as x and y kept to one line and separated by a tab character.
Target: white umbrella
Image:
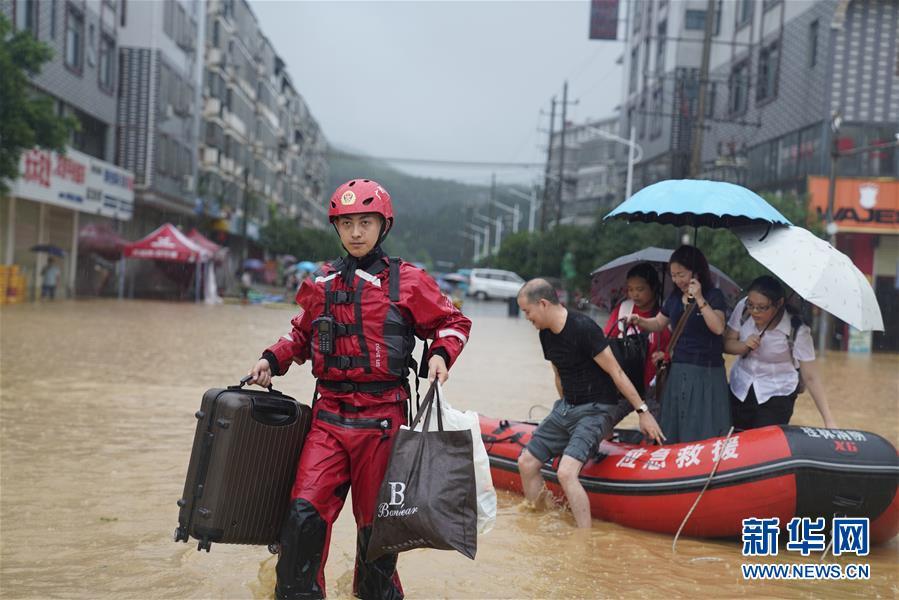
817	272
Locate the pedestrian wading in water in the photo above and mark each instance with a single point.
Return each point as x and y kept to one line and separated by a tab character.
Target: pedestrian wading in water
357	322
588	379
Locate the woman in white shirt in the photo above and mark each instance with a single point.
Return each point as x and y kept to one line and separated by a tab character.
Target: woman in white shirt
771	343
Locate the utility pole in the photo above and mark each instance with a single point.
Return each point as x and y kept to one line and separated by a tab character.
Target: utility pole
561	182
699	118
549	158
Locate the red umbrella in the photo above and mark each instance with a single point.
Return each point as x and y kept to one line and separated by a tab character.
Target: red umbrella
101	239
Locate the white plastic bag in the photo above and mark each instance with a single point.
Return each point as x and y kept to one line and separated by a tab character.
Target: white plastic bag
456	420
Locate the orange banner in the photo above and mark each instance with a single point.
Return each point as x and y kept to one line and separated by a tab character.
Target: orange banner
861	205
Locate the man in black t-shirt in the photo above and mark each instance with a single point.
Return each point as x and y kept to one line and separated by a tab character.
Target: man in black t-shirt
588	379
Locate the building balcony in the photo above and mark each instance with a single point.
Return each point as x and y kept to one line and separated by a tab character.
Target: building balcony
210	156
213	56
212	107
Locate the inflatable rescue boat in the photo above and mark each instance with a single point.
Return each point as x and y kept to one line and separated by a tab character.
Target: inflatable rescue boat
777	471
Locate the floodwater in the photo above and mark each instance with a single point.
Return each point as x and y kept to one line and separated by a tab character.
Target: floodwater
96	425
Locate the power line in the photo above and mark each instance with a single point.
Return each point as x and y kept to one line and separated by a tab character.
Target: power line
438	161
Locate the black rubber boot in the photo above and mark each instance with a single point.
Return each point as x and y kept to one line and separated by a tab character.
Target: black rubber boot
375	580
299	562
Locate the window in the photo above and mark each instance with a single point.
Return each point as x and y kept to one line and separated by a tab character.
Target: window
107	62
641	131
655	129
738	87
26	15
660	46
74	39
632	85
744	12
767	4
122	14
638	15
53	19
711	89
91	45
168	18
768	70
813	43
695	20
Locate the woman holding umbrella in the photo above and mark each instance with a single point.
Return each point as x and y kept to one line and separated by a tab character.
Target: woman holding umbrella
771	342
695	397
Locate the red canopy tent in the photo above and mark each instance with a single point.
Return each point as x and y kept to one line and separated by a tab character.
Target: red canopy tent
101	239
167	243
207	244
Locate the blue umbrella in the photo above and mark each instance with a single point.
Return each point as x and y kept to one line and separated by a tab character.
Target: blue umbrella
306	266
49	249
698	203
253	264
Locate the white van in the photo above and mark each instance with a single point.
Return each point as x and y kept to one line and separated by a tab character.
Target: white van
494	283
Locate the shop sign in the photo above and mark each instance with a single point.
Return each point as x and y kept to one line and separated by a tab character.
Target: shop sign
861	205
75	181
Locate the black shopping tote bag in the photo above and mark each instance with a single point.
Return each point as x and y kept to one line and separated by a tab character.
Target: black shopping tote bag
428	497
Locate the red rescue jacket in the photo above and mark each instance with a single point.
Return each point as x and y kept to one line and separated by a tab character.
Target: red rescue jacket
381	348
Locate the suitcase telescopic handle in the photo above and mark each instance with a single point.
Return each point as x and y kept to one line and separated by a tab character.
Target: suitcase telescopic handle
275	412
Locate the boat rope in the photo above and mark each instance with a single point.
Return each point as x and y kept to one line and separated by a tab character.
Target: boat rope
704	488
830	543
531	411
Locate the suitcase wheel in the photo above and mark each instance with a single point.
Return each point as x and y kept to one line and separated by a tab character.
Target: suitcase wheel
223	423
181	502
204	544
274	547
199	414
181	534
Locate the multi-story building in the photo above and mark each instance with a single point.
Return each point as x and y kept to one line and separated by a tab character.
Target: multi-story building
779	73
591	179
57	195
798	80
158	107
661	73
260	146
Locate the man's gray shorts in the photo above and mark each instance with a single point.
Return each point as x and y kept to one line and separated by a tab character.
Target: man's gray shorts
574	430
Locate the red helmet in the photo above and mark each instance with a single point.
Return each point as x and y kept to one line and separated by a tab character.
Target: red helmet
361	196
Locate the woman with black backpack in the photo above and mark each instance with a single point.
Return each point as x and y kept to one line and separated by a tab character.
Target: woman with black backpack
776	358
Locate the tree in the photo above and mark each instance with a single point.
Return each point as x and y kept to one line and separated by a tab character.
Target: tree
27	118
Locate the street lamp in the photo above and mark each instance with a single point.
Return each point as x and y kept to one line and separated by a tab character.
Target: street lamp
633	147
475	254
830	227
515	214
483	244
489	223
532	200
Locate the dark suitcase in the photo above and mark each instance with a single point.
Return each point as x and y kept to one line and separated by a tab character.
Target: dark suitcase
242	466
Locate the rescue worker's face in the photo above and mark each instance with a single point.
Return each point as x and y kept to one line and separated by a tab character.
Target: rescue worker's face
359	233
535	312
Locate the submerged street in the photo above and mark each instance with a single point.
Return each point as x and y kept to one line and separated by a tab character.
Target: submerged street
96	426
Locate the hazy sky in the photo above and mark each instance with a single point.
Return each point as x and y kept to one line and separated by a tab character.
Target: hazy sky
448	80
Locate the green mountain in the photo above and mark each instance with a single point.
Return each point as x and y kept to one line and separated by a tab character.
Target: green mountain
429	213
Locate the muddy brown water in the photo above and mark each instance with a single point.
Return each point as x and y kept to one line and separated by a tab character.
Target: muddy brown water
96	423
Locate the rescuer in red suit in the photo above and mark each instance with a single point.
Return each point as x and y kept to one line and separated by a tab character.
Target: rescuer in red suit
358	319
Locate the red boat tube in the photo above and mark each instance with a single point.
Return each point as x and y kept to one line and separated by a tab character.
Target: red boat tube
777	471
